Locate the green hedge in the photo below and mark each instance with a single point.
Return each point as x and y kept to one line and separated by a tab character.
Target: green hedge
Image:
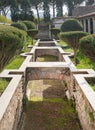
19	25
55	32
72	39
29	25
71	25
87	46
11	42
32	33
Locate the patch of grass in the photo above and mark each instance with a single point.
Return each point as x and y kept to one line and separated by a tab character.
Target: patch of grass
62	43
3	84
92	84
66	47
26	44
47	58
15	63
84	62
54	112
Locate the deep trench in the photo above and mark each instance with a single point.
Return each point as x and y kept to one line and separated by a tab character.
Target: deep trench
47	107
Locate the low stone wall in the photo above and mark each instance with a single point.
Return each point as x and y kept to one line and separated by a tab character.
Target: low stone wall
11	104
46	43
83	96
46	73
48	51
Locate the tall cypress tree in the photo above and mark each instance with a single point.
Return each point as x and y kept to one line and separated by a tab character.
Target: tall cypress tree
46	10
59	7
71	4
14	10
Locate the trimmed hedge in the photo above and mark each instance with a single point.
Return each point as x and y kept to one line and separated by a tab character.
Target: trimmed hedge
72	39
71	25
19	25
29	25
55	32
32	33
11	42
87	46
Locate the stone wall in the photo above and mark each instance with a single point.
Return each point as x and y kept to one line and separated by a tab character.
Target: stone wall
78	91
11	104
49	51
44	31
45	73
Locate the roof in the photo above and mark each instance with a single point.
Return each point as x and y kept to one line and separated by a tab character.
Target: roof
84	11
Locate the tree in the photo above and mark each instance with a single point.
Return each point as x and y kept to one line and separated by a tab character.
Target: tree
89	2
53	4
71	25
4	7
25	12
87	46
11	43
72	39
59	8
71	4
46	11
55	32
32	33
14	8
37	4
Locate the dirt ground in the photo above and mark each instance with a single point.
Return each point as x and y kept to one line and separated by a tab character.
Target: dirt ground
47	107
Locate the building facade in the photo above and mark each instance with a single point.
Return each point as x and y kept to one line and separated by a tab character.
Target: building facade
86	14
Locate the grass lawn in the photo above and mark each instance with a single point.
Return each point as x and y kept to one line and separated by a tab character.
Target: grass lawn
92	86
47	58
84	62
3	84
15	63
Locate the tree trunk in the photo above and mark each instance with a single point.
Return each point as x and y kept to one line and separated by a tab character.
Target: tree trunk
37	14
75	57
53	10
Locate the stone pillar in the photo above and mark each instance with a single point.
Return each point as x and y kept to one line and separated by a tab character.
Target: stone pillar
89	28
94	25
84	25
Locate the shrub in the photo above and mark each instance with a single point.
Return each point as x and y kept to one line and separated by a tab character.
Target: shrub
87	46
55	32
72	38
11	42
29	24
32	33
71	25
19	25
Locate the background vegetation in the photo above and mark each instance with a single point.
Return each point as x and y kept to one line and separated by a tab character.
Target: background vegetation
23	9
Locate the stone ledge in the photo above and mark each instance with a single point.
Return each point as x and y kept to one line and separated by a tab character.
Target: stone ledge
86	88
8	94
